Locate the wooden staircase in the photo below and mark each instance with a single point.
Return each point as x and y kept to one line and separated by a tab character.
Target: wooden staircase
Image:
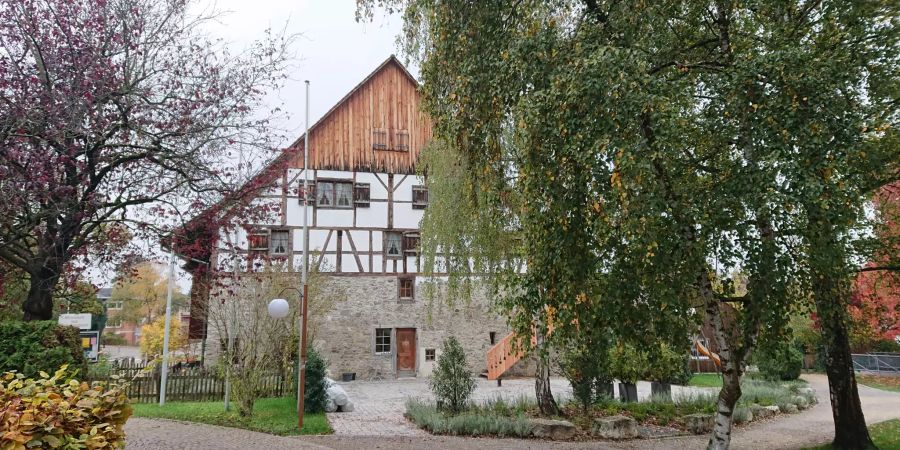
501	357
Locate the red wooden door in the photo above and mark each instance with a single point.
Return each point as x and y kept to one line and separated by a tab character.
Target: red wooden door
406	350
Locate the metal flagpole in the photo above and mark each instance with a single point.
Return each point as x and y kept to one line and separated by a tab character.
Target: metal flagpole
301	380
165	356
230	323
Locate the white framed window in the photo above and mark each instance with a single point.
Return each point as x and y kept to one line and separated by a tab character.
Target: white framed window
325	194
280	242
382	341
114	304
334	194
393	244
113	322
343	193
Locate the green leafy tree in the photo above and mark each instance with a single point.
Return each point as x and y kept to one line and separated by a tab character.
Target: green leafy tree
632	155
452	382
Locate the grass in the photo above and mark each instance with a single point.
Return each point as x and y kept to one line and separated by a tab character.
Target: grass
270	415
885	435
891	383
705	380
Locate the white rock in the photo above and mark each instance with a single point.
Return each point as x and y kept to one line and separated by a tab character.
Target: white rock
330	406
347	407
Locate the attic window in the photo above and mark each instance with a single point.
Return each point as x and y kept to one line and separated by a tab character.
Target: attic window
379	139
401	141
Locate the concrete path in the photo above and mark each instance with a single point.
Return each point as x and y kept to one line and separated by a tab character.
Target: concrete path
355	431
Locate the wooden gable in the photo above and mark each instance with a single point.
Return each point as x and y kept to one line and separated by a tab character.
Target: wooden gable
377	127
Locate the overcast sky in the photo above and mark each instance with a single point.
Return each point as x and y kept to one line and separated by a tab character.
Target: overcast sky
335	52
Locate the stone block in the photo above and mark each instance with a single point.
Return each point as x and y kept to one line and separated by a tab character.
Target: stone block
558	430
801	402
615	427
699	423
762	412
790	408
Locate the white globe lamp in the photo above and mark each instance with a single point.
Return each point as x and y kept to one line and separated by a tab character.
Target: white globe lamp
278	308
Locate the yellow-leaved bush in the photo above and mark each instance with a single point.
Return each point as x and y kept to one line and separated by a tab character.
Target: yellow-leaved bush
61	412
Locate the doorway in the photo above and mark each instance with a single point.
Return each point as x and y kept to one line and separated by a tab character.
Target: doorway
406	352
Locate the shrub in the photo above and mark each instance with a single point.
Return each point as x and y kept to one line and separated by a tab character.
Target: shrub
479	422
452	382
32	347
666	365
627	364
314	389
780	361
59	412
587	374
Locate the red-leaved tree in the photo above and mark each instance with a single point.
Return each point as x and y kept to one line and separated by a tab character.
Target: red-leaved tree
116	117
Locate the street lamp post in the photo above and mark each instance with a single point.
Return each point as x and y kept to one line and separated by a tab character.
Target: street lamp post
279	308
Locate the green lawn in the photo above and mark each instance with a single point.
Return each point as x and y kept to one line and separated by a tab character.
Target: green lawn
885	383
706	380
886	436
270	415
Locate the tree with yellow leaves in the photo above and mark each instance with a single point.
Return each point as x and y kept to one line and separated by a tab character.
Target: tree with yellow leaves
152	337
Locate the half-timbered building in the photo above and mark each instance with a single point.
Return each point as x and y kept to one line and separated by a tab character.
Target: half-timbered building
366	204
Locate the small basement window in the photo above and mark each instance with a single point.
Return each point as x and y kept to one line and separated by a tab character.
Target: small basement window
382	341
406	287
419	197
429	354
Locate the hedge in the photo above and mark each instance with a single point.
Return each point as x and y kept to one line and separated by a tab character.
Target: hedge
31	347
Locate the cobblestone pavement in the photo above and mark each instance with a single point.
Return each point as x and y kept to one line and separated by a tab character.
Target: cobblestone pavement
354	431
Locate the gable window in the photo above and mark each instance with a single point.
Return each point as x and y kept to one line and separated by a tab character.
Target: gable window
334	194
420	197
382	341
401	140
393	245
407	286
281	242
379	139
411	243
361	195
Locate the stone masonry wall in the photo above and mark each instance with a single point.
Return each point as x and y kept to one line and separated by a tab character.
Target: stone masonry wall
346	335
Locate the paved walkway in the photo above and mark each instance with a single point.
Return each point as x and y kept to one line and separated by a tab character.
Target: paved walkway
354	431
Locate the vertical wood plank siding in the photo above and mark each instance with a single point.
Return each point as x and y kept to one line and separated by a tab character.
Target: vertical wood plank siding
343	139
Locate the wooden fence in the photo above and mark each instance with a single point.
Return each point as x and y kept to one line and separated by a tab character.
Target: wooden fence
185	384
